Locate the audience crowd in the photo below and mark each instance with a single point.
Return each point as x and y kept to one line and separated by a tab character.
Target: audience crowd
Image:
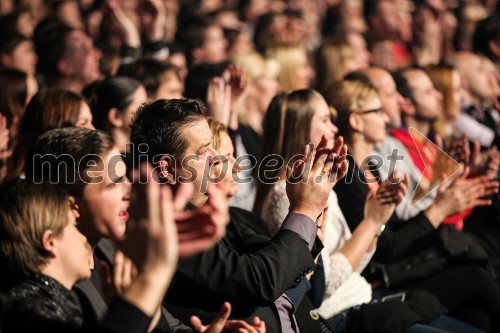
250	166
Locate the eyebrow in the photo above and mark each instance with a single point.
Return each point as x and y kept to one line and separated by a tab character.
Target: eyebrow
204	145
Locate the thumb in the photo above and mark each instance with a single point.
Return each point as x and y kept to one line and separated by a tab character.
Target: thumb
439	141
196	324
182	196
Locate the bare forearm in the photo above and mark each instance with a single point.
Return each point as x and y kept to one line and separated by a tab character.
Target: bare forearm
363	240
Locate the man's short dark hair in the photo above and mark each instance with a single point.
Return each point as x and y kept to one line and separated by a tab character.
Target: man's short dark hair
150	72
62	156
361	77
402	83
487	30
159	125
50	39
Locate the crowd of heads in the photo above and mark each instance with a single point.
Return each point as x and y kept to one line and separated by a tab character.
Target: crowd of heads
226	92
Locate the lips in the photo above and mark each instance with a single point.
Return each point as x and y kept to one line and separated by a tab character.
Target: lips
123	214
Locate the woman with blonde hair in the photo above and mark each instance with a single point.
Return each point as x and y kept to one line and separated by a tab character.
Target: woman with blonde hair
304	116
362	122
446	79
262	75
295	69
335	58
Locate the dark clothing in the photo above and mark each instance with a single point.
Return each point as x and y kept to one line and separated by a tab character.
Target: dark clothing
455	287
90	295
399	237
41	304
246	268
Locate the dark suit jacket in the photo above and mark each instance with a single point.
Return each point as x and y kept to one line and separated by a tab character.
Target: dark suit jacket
246	268
94	307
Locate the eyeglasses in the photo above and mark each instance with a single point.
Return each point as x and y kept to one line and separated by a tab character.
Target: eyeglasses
379	111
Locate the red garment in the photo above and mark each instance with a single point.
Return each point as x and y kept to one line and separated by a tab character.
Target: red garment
424	154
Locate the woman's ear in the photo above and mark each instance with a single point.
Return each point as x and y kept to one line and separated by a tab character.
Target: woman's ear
49	243
356	122
115	118
167	169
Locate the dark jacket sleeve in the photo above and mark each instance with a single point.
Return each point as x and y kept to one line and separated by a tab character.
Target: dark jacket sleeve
398	238
249	279
259	277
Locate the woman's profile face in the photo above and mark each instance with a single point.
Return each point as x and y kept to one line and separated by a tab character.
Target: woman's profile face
321	123
138	98
84	116
304	74
457	95
373	121
227	169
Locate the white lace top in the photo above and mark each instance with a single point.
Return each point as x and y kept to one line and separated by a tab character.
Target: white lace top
344	287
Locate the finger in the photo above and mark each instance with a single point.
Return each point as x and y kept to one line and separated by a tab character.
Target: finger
234	325
322	158
338	146
196	324
218	324
323	144
126	273
481	202
153	197
118	269
183	194
438	141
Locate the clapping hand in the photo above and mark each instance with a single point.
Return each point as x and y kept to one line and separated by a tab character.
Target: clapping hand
222	324
311	178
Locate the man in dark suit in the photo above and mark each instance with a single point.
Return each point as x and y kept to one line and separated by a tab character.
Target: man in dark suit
178	141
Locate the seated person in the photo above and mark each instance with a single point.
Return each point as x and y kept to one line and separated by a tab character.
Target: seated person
345	255
240	268
103	208
44	257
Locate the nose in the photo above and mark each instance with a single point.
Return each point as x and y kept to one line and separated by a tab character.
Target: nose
96	52
236	165
438	95
212	156
386	118
335	129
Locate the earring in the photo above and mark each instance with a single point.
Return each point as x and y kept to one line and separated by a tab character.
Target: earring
361	136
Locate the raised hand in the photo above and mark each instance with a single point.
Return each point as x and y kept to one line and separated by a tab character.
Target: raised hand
462	193
312	177
219	100
201	228
153	18
379	206
221	323
239	83
150	242
484	163
130	32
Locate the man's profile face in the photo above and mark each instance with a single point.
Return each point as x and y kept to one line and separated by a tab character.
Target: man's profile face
426	98
388	93
83	57
196	164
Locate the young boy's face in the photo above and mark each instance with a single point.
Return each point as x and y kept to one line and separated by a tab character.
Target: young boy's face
104	203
